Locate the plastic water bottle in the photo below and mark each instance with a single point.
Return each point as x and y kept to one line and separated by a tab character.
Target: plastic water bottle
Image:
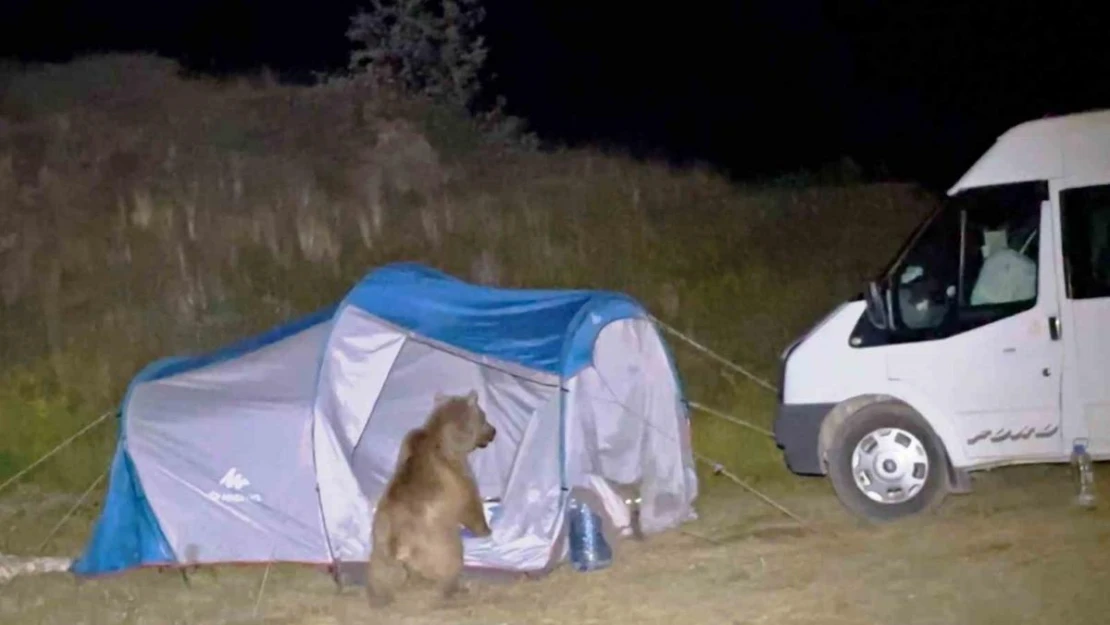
1085	475
635	529
589	550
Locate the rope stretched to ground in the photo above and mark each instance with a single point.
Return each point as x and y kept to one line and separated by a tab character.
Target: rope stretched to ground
720	469
261	589
735	367
730	418
81	500
715	356
717	467
11	480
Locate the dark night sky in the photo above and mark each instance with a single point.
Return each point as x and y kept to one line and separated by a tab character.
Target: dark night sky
917	87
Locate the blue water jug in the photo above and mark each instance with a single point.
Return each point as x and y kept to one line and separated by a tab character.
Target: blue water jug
589	551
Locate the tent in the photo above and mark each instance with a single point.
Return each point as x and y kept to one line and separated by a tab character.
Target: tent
276	449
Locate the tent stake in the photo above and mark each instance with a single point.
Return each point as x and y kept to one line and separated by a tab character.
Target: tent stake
336	578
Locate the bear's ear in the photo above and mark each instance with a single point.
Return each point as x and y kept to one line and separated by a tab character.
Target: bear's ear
439	398
472	398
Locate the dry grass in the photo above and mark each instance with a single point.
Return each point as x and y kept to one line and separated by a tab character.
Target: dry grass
142	215
1014	552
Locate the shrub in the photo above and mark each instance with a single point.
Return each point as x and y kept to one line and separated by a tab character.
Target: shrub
429	48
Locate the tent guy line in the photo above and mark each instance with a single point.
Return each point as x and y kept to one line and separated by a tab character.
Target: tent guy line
717	467
731	419
11	480
720	469
72	509
693	404
715	356
668	328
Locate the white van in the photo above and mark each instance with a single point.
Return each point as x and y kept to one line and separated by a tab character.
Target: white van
985	342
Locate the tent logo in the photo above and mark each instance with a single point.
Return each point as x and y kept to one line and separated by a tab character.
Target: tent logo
236	481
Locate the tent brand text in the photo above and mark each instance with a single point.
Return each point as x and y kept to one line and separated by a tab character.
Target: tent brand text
233	480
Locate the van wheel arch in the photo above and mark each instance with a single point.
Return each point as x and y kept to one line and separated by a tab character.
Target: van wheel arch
837	416
958	481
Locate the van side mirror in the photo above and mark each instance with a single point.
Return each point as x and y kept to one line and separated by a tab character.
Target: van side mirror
878	310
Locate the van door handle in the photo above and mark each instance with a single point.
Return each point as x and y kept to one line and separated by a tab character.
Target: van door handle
1054	328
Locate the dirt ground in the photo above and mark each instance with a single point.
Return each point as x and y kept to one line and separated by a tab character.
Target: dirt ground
1015	551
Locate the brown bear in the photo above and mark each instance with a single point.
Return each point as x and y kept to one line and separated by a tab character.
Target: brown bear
432	492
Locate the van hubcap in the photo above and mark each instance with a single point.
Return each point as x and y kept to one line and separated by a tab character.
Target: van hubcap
890	465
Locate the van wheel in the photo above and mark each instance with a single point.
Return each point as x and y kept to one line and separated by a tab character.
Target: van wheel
885	463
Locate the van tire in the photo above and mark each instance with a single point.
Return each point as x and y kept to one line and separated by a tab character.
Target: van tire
879	419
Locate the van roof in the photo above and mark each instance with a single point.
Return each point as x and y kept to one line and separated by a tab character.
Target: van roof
1053	147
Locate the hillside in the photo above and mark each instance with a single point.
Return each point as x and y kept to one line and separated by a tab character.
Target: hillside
143	214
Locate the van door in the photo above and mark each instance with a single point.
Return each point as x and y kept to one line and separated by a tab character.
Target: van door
992	360
1085	243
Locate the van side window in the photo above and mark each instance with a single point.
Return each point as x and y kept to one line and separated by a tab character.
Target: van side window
1086	241
974	264
998	276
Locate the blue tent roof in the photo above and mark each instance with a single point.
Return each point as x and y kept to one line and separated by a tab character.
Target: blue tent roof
550	330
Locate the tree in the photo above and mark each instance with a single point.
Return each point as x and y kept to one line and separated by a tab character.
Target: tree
426	47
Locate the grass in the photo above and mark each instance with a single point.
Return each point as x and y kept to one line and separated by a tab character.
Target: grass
1013	553
143	214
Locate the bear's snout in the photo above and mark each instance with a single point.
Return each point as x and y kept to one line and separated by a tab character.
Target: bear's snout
488	434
